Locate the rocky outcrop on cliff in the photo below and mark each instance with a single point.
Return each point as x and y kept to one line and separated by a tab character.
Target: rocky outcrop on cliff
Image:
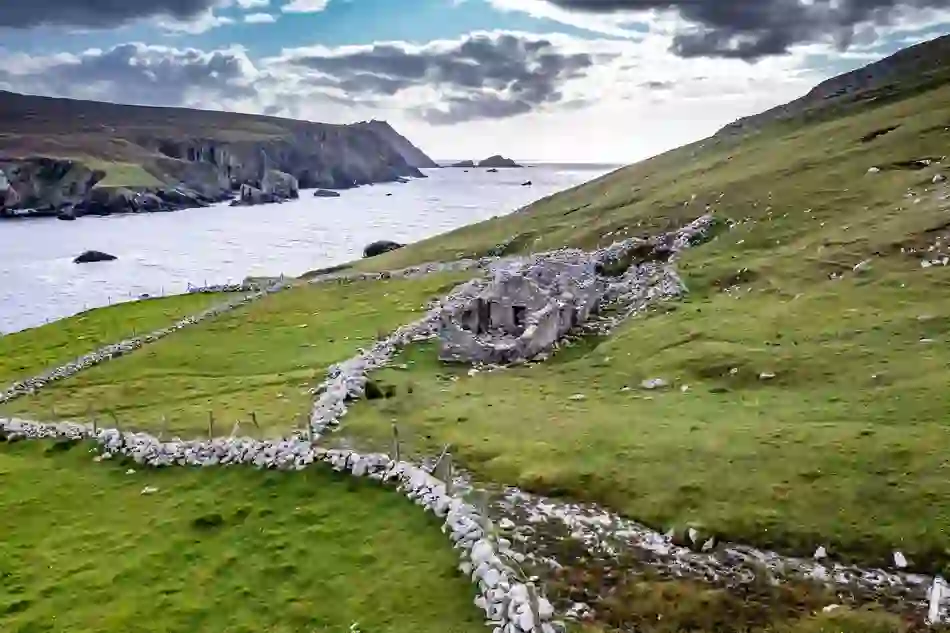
409	152
46	183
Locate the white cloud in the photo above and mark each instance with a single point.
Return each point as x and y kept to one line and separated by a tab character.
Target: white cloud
259	18
615	26
253	4
635	99
204	21
305	6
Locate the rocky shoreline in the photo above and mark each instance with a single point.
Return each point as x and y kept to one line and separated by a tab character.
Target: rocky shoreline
171	170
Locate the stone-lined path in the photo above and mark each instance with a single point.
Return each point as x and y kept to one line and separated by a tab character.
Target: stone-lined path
509	600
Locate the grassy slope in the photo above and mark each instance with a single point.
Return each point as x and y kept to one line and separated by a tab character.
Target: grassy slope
260	359
122	174
856	410
235	550
27	353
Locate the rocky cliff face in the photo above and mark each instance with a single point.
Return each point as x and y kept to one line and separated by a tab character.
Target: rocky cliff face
195	155
410	153
45	182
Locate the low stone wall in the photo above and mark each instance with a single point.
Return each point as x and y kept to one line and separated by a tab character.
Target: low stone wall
510	604
115	350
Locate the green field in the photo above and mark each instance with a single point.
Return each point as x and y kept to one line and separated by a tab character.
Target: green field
234	549
261	359
122	174
29	352
856	409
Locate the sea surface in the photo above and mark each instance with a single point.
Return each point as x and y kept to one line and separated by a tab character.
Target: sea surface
162	253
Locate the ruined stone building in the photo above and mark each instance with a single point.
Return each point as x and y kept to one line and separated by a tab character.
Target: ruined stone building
523	311
531	303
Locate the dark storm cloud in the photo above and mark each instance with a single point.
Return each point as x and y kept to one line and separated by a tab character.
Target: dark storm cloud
24	14
482	76
752	29
136	73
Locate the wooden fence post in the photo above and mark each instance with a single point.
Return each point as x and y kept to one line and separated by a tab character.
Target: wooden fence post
210	425
395	443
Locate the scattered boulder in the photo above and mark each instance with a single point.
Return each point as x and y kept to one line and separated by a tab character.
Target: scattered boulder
326	193
654	383
67	214
498	161
380	247
94	256
250	196
280	184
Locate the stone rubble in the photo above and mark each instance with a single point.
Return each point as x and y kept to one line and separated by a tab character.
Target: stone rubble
531	303
605	534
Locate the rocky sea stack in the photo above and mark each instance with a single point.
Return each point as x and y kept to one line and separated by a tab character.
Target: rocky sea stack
498	161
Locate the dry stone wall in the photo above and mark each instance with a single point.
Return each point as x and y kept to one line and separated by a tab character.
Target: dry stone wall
509	601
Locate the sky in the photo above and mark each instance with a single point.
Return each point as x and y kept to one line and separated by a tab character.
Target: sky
605	81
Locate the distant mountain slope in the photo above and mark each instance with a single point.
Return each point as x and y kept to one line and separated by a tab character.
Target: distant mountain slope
909	70
203	150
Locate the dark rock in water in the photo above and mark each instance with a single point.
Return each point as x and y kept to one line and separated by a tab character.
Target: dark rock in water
527	183
492	171
66	214
498	161
463	163
380	247
326	193
389	194
94	256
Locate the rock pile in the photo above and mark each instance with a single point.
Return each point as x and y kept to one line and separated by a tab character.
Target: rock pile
244	286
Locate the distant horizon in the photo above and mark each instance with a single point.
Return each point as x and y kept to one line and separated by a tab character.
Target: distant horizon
448	162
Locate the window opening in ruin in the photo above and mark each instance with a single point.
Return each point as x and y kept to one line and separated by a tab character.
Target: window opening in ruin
466	321
518	315
484	315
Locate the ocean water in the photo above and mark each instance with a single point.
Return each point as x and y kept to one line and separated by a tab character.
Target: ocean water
162	253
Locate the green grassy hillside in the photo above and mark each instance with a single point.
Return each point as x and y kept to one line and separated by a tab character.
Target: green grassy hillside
261	359
29	352
819	282
215	550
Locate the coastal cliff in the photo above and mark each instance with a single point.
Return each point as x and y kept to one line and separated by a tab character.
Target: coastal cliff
55	152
